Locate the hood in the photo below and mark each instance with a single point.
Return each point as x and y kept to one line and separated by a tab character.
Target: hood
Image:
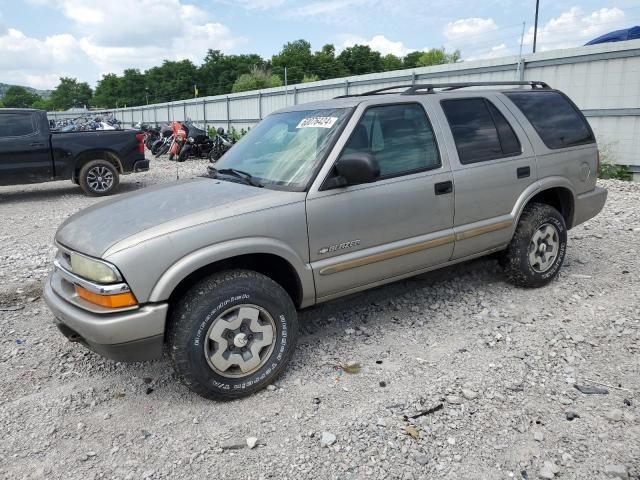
94	230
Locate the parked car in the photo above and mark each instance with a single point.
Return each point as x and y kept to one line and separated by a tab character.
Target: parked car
319	201
31	153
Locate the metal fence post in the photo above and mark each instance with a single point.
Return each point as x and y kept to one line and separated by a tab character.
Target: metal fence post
295	95
204	113
346	86
260	105
228	115
184	111
522	67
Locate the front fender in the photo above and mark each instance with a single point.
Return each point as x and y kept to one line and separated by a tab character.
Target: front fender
233	248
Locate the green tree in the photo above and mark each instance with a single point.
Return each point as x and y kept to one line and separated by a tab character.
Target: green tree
41	104
255	80
391	62
133	87
360	59
411	60
438	56
218	72
325	65
171	81
308	78
296	57
70	93
108	92
19	97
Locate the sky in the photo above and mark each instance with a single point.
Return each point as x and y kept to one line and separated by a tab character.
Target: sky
41	40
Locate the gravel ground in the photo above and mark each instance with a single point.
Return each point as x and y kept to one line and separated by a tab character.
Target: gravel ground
455	374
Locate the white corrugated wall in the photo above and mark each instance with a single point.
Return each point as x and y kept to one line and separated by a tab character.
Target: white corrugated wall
603	80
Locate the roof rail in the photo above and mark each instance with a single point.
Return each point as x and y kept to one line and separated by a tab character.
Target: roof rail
378	91
455	86
430	87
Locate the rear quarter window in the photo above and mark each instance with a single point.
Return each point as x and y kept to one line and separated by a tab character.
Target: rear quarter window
555	119
16	124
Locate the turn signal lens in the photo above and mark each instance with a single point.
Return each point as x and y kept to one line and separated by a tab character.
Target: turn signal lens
119	300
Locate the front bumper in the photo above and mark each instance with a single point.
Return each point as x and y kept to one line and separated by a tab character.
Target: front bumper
127	336
588	205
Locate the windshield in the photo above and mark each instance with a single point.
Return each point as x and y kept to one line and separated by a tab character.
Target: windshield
284	148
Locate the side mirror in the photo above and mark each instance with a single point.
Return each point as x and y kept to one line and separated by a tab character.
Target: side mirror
356	168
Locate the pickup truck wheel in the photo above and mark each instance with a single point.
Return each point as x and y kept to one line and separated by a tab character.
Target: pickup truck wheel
98	178
538	247
232	334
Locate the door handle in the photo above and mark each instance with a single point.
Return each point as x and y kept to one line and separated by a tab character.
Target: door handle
36	144
443	188
524	172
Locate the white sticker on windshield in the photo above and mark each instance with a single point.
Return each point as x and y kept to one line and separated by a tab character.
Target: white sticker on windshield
317	122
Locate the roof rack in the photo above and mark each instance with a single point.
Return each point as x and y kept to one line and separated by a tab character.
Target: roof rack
430	87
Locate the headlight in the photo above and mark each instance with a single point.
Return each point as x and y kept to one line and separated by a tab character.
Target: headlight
190	140
94	270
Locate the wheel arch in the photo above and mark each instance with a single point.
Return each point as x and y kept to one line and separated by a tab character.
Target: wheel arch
272	260
97	154
555	192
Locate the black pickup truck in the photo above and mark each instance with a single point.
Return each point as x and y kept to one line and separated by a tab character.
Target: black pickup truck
31	153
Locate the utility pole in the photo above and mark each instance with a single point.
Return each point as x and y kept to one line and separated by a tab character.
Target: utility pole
535	28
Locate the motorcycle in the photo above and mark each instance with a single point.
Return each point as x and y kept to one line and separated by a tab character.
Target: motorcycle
164	139
198	144
150	136
221	144
180	132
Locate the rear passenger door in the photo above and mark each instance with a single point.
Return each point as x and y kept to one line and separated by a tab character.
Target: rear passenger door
25	156
492	162
371	233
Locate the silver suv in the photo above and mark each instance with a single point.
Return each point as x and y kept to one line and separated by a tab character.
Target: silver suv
319	201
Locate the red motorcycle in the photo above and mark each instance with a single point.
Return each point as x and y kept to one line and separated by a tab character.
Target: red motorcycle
179	137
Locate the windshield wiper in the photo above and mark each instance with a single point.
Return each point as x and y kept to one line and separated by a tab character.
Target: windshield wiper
244	176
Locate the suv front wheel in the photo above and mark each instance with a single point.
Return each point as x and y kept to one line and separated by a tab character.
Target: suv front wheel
538	247
232	334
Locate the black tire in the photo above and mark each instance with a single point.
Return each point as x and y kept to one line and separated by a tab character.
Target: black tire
156	146
98	178
184	153
162	149
195	313
516	261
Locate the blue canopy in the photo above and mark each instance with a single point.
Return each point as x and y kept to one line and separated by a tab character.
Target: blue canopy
632	33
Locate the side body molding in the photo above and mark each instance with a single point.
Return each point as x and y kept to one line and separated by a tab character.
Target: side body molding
233	248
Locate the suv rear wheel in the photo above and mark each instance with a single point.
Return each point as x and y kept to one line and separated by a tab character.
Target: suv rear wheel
538	247
98	178
232	334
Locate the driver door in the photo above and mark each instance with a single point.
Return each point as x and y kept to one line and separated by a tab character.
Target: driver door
368	234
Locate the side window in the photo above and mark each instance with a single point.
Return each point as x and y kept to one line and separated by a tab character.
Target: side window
16	125
400	137
557	122
480	131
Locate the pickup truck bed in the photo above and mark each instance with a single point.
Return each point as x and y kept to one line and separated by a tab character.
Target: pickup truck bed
31	153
